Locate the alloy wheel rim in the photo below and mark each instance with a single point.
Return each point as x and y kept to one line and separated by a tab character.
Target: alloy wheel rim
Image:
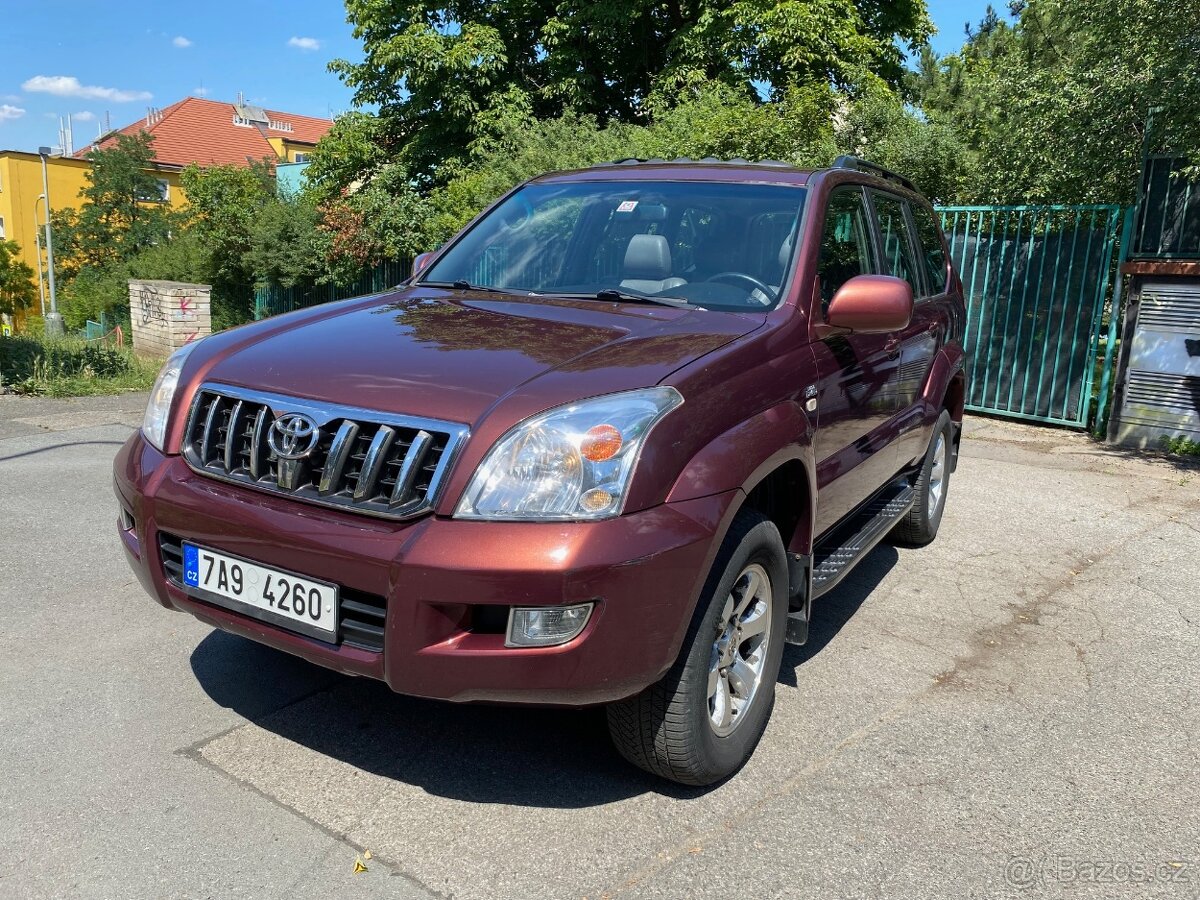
739	650
937	476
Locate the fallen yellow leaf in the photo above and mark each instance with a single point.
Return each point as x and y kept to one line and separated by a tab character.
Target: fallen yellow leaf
358	865
366	854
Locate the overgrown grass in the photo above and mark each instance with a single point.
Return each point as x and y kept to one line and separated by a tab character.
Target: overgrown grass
70	367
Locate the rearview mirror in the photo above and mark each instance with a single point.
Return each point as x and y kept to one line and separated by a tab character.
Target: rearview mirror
420	261
872	304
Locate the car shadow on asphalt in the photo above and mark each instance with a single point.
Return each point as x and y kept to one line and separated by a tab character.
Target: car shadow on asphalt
478	753
831	612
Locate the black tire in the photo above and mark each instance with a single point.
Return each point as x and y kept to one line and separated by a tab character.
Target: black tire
667	729
920	526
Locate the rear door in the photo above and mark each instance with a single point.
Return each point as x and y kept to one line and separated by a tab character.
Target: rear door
856	389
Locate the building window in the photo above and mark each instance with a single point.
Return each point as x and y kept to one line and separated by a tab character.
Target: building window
1	228
275	125
161	194
301	157
243	123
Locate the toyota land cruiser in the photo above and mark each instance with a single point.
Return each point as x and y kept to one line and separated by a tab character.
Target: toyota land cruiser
606	446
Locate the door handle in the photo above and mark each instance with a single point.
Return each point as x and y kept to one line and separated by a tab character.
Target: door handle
892	347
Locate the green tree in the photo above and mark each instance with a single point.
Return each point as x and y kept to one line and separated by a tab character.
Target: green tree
1055	102
17	290
225	204
447	77
121	212
287	244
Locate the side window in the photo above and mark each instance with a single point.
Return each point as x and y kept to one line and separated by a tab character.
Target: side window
929	230
845	243
897	241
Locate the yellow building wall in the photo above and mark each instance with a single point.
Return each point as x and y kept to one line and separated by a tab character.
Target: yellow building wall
21	185
290	150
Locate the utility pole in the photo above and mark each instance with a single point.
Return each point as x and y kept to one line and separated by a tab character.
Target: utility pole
54	321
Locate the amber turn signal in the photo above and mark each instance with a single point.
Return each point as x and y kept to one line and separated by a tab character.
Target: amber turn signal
600	443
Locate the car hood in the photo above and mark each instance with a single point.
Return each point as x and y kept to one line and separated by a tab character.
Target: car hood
453	355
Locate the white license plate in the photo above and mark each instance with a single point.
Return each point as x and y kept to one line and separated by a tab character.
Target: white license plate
300	604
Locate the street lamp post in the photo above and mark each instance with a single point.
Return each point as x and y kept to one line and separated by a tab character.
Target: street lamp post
37	240
54	321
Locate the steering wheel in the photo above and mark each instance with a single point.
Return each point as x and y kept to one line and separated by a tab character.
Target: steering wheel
766	290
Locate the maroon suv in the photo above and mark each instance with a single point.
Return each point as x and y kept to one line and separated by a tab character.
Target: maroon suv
607	445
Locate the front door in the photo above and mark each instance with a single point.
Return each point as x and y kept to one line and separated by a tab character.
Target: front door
857	373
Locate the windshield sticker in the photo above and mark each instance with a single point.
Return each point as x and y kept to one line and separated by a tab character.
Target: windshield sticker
627	206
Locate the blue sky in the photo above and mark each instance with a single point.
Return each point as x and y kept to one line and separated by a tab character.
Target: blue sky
89	57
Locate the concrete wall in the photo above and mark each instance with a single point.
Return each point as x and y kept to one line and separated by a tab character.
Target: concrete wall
165	315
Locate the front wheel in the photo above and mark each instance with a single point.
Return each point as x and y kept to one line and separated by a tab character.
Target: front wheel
920	526
702	720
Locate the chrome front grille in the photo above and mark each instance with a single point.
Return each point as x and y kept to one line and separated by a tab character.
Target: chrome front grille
355	459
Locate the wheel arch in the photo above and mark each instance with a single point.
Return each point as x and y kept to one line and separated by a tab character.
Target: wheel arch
768	459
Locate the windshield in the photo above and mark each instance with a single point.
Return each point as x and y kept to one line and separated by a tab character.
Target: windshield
714	245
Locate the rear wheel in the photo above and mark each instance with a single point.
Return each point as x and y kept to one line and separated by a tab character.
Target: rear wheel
702	720
920	525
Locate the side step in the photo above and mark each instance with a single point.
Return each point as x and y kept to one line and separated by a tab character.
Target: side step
841	551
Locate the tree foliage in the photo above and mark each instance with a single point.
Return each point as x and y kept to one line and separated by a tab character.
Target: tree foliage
16	280
1055	101
120	213
448	76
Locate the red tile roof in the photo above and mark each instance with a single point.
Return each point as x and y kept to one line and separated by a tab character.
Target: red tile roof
203	132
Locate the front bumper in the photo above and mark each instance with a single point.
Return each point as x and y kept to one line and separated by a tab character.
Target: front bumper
644	571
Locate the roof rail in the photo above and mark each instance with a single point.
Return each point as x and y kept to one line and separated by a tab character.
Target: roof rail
861	165
685	161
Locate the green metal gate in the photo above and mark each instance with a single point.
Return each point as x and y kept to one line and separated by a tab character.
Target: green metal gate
1036	280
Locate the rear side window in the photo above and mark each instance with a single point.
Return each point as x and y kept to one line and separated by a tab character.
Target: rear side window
933	255
897	242
845	242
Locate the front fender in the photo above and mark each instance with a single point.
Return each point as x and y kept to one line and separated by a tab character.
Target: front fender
744	455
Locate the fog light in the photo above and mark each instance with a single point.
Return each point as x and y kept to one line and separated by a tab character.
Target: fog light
545	626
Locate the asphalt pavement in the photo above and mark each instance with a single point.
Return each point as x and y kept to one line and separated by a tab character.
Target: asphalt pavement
1011	711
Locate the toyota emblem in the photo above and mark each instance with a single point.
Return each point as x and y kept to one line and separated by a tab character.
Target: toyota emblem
293	436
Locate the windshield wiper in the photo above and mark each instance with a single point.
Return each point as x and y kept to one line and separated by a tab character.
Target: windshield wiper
626	295
463	285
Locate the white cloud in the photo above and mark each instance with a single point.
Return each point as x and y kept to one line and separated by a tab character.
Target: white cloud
200	92
84	116
8	112
181	42
11	98
304	43
69	86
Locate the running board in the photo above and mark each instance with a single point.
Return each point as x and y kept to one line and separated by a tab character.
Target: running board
835	557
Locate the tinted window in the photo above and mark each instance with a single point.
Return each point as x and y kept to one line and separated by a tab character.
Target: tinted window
929	230
845	242
897	242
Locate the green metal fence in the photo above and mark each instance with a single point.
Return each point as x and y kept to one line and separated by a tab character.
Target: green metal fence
1168	214
1037	279
271	301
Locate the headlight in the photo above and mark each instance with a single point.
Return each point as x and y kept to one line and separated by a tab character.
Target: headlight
573	462
154	425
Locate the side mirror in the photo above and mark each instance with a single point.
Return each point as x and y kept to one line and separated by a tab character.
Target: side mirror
420	261
872	304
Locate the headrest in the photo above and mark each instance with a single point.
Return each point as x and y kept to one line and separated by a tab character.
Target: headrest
647	256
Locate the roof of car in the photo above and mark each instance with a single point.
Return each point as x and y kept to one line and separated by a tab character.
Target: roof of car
709	169
712	169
